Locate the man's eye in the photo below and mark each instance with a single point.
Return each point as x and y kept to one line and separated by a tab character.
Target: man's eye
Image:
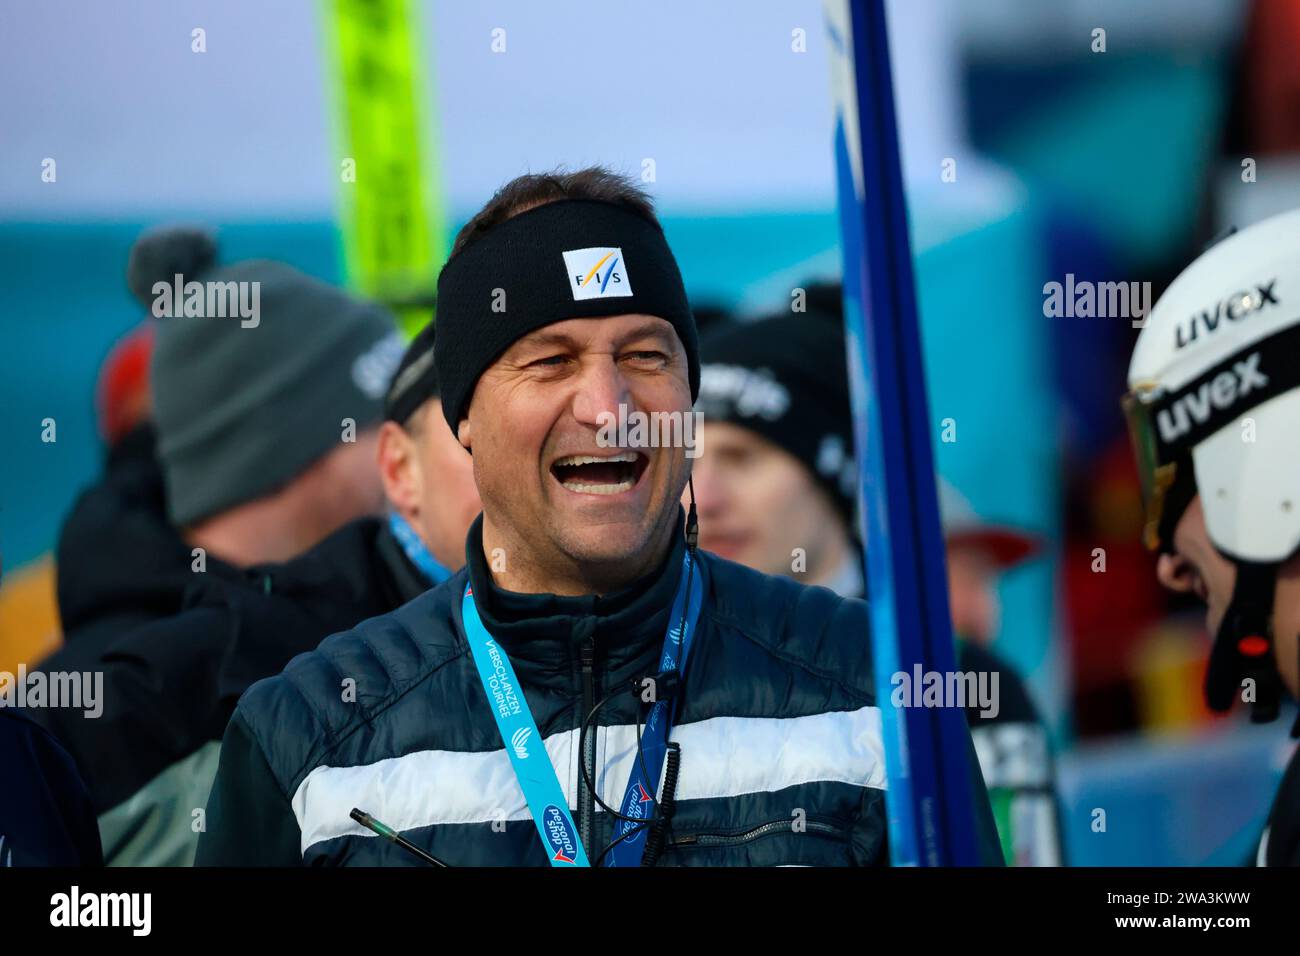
648	356
549	360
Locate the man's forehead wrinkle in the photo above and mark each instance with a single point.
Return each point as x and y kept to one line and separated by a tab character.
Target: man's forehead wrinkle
649	327
544	338
551	337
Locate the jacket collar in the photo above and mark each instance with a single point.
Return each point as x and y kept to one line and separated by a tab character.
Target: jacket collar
408	581
543	633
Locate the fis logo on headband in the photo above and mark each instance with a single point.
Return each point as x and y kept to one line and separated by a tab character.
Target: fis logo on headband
597	273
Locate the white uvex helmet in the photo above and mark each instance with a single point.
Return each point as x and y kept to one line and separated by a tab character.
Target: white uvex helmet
1215	376
1214	410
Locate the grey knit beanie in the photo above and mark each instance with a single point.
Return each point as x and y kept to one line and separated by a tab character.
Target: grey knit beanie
255	367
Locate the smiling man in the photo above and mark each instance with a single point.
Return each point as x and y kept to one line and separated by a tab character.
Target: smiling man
590	689
593	517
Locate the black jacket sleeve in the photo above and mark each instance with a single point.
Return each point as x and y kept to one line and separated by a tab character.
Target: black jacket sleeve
249	819
158	702
1283	834
869	837
45	814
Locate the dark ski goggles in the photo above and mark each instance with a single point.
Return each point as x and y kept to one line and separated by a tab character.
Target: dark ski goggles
1156	479
1165	425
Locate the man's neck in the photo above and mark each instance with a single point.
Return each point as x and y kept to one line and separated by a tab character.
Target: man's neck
837	567
515	565
846	579
258	532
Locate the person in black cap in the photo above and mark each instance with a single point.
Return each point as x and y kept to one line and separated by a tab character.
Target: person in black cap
428	477
777	472
591	689
171	687
776	488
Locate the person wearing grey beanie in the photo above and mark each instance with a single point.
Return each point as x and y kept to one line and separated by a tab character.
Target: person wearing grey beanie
268	390
169	687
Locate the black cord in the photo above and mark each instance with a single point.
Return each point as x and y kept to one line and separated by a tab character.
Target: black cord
587	780
654	843
640	755
670	785
692	521
626	836
659	820
640	823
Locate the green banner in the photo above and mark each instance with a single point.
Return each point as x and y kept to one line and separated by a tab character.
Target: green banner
394	225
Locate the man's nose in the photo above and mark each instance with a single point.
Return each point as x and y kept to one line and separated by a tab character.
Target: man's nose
601	389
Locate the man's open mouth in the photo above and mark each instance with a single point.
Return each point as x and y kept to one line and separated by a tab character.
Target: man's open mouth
592	475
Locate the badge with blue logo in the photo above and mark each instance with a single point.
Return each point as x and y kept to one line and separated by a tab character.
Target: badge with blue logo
563	842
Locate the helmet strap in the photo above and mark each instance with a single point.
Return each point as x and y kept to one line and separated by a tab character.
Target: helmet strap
1243	648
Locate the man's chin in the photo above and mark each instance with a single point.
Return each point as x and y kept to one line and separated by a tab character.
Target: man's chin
620	543
610	545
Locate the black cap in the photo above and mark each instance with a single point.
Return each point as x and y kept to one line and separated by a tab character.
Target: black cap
786	378
415	381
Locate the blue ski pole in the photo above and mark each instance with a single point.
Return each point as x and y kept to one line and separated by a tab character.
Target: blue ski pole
927	749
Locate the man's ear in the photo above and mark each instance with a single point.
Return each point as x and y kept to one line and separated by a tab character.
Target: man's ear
1175	573
463	435
399	469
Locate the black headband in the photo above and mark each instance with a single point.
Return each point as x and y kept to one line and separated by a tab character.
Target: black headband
570	259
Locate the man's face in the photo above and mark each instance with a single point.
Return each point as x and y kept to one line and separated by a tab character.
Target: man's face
757	503
343	485
429	480
972	593
1197	567
547	483
448	498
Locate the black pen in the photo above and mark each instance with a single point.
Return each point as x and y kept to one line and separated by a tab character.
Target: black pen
370	823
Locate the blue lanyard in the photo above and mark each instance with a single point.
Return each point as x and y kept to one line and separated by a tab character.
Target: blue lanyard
537	777
416	551
638	798
532	764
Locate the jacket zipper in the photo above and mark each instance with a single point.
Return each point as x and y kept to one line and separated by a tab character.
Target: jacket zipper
735	839
586	801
